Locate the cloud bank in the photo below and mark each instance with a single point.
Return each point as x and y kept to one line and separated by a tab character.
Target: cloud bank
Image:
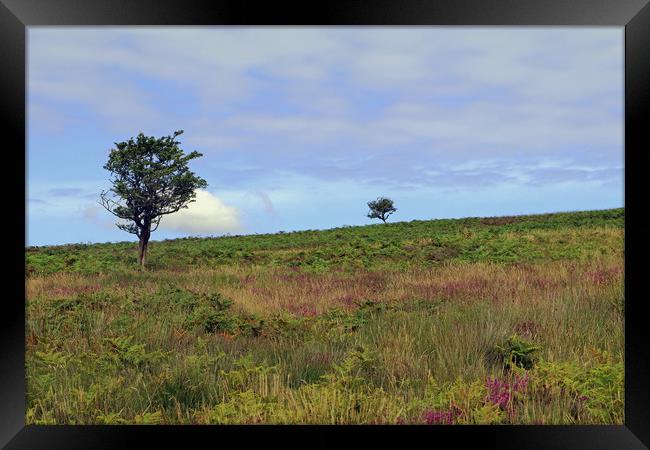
207	215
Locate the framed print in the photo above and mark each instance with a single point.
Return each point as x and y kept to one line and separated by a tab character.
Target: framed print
411	220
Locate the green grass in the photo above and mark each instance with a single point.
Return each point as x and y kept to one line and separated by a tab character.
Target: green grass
399	323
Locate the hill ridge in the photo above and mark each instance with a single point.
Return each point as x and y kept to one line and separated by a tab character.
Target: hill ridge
342	227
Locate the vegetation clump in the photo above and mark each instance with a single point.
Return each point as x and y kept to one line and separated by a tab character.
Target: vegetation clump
518	352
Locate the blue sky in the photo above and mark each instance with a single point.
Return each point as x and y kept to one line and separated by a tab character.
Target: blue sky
301	126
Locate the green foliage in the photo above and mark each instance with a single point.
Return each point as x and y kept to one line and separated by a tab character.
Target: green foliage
122	349
112	418
212	313
381	208
149	418
242	408
595	391
575	236
150	178
518	352
151	175
347	374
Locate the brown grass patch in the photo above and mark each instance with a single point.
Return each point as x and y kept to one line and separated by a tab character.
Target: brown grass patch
506	220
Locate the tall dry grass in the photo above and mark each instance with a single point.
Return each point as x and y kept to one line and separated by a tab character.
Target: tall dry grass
429	345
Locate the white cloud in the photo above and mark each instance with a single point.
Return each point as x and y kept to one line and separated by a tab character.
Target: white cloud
208	214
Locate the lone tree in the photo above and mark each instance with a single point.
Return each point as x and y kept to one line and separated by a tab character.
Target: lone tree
150	179
381	208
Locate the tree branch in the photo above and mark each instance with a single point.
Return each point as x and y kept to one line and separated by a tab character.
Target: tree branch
106	203
156	220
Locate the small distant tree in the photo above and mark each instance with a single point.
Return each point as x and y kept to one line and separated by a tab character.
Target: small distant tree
381	209
150	179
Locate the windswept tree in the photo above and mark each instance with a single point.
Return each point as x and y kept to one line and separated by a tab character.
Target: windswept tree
381	208
150	179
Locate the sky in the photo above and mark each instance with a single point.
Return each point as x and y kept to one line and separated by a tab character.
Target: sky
301	126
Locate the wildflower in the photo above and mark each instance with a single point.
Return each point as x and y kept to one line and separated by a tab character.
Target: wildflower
445	417
520	383
500	392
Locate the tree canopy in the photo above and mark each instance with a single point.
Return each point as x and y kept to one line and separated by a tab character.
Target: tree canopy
150	178
381	208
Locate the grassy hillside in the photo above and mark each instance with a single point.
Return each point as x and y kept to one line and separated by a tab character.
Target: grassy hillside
402	244
479	320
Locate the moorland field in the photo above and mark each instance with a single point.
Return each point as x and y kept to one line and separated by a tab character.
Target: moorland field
468	321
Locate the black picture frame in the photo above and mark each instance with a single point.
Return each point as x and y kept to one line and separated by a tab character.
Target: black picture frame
634	15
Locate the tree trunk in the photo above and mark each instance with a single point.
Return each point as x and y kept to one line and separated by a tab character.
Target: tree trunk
142	246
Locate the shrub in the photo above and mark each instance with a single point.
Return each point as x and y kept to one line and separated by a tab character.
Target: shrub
517	352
